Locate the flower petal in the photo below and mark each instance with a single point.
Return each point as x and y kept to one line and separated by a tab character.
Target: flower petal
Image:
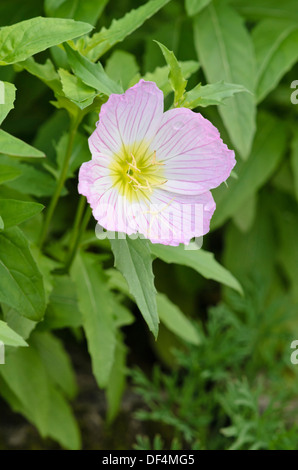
127	119
195	157
172	219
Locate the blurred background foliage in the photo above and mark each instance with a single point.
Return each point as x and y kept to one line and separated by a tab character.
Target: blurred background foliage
219	375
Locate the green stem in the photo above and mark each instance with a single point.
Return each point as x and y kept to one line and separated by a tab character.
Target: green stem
60	183
78	230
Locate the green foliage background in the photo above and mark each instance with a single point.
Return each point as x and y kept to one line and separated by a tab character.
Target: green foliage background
224	316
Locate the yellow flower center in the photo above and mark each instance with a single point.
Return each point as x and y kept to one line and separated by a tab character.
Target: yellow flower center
135	171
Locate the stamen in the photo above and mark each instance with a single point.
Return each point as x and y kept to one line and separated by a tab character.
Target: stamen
133	166
154	161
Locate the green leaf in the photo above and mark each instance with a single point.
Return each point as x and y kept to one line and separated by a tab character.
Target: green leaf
195	6
26	377
259	9
294	162
21	284
172	317
176	79
80	153
56	361
7	97
160	75
124	61
1	224
75	89
45	72
14	212
267	151
9	336
92	74
133	259
24	39
97	313
62	424
116	383
62	310
213	94
8	173
86	10
13	146
17	322
226	53
101	42
201	261
33	181
276	49
26	385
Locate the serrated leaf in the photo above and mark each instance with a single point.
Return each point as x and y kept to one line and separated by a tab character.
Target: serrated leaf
226	53
201	261
14	212
276	49
13	146
101	42
213	94
10	337
7	97
133	259
91	74
21	284
96	306
172	317
176	78
24	39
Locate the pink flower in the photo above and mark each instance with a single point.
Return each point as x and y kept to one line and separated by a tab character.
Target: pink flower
151	172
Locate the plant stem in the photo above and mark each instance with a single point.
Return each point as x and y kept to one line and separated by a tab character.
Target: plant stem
60	183
78	230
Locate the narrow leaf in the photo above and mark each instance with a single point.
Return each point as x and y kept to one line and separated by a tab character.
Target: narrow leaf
172	317
106	38
226	53
13	146
9	336
14	212
7	97
97	314
133	259
21	284
201	261
92	74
